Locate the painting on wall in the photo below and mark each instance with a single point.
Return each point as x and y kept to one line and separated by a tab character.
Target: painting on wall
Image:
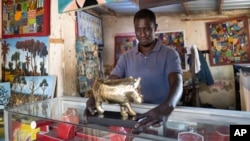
4	94
25	18
90	26
175	39
88	63
122	44
73	5
28	89
26	56
228	41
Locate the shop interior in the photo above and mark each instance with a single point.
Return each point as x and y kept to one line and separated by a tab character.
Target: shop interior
55	48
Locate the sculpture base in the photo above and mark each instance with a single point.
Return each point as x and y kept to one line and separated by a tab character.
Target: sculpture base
109	118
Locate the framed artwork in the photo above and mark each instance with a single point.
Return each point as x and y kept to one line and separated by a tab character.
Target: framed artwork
87	64
122	44
89	26
26	56
29	89
175	39
4	94
228	41
25	18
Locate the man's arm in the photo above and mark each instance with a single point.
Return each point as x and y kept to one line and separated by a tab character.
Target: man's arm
161	112
176	89
112	76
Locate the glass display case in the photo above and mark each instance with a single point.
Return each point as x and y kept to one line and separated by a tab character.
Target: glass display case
62	119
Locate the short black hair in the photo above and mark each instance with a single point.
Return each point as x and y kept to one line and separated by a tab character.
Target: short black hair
145	13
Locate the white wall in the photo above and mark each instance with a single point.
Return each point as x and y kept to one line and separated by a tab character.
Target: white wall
62	61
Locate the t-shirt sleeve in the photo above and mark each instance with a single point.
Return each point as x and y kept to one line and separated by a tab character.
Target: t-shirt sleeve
173	62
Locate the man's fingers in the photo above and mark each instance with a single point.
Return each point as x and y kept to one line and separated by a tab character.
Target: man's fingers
141	122
92	110
85	116
146	122
140	116
88	112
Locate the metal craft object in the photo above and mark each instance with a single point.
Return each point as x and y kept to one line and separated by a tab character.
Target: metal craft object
119	91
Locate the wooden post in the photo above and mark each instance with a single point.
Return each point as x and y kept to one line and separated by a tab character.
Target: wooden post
194	92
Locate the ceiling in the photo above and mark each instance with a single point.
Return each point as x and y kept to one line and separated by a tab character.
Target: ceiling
187	7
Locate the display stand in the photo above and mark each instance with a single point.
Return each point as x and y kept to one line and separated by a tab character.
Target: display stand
112	119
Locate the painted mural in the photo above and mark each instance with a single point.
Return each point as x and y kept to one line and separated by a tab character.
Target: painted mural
24	57
71	5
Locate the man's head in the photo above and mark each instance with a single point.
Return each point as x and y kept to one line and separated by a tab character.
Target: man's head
145	27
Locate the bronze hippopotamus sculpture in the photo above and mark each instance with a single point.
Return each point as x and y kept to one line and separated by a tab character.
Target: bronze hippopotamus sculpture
119	91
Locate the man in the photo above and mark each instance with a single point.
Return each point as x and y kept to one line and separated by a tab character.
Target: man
158	66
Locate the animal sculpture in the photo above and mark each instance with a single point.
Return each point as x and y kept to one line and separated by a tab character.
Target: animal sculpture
119	91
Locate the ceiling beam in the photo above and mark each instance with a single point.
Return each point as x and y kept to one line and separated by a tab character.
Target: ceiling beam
185	7
136	2
220	5
157	3
215	18
111	12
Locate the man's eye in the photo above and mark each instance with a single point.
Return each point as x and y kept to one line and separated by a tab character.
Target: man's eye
147	29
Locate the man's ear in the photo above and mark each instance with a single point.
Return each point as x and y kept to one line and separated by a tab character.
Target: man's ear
156	26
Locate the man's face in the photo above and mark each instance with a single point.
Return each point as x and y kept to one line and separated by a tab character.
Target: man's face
145	31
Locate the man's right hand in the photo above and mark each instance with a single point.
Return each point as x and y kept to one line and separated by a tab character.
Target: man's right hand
89	110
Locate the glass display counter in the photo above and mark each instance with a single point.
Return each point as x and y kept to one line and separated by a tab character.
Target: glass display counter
61	119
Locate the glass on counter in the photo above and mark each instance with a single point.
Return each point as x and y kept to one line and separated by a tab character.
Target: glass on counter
62	119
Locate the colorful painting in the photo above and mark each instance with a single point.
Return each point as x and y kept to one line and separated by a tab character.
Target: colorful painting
175	39
4	94
24	57
73	5
28	89
228	41
87	63
25	18
122	44
89	26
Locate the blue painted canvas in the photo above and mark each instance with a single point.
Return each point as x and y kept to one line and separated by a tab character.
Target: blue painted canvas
28	89
4	93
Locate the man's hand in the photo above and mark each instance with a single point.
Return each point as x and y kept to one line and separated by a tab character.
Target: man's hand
89	110
153	117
